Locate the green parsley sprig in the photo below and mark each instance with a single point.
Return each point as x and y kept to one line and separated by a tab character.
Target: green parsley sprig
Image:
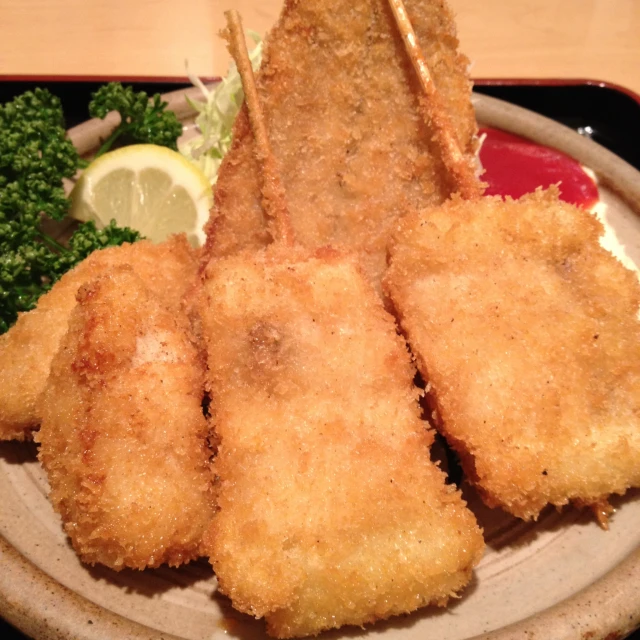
35	157
142	120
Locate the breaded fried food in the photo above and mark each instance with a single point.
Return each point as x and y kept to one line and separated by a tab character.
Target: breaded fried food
27	349
526	330
349	126
123	435
330	509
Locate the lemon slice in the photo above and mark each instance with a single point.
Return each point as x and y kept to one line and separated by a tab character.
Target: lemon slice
148	188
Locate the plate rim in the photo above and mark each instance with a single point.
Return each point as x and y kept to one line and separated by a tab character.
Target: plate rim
44	608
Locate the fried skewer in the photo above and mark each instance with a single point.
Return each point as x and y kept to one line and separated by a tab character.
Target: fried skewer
353	144
435	112
322	459
123	437
273	194
526	331
26	350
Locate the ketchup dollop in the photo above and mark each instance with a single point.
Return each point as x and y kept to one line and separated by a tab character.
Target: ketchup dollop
514	166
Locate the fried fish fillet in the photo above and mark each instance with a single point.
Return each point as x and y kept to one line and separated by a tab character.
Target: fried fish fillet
27	349
347	124
123	435
330	509
526	329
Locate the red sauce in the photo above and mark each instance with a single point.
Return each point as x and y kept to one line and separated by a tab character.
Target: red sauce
514	166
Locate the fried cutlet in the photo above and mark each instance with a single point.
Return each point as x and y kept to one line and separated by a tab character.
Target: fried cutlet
526	330
27	349
349	127
123	435
330	509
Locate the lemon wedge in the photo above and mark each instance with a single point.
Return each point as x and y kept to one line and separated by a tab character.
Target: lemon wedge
148	188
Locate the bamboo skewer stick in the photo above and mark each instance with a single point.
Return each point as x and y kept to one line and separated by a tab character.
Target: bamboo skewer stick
273	193
460	169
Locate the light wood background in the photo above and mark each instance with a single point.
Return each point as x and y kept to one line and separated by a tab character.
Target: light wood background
597	39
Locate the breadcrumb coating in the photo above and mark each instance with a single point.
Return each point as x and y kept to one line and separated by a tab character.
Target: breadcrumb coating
330	509
27	349
343	111
527	331
123	435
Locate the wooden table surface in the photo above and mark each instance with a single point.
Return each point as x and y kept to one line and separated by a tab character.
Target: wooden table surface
596	39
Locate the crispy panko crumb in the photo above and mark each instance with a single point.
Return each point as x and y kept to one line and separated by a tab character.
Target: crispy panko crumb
330	510
27	349
342	108
526	329
123	435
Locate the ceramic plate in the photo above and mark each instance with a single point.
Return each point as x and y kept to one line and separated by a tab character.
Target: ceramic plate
561	577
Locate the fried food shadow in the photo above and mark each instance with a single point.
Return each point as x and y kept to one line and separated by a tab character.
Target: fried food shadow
13	452
153	582
503	530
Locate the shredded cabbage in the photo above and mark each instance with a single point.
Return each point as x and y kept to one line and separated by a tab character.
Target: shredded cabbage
216	116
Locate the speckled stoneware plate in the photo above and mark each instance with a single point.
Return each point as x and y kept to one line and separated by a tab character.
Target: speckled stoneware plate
562	577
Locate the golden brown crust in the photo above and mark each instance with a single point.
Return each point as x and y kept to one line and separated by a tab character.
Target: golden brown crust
461	168
527	330
27	349
340	100
123	436
330	510
274	202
